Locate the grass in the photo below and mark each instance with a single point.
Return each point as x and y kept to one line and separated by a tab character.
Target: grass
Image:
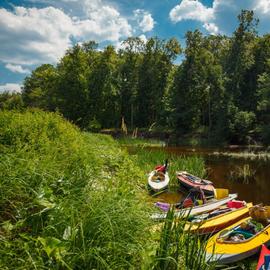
243	174
147	159
66	198
264	156
129	141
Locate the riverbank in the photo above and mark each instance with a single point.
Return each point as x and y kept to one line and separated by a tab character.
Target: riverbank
74	200
170	138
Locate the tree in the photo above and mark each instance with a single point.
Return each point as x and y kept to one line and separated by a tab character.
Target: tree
72	90
153	74
11	101
104	89
263	105
130	61
39	89
240	62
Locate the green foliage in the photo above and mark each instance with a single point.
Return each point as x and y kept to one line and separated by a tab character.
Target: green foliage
243	124
220	81
11	101
66	197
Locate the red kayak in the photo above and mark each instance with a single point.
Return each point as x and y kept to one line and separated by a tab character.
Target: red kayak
263	263
191	181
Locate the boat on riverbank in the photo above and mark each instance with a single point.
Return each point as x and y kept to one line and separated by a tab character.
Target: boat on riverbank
227	246
159	179
190	181
211	204
218	219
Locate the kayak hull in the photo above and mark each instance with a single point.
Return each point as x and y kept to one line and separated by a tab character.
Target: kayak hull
184	212
229	252
206	186
217	223
158	185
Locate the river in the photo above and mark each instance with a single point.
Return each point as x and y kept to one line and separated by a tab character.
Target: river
223	163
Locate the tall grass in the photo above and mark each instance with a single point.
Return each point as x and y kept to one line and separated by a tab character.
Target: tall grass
179	249
243	174
148	158
68	200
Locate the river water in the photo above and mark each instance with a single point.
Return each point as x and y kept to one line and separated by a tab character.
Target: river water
223	164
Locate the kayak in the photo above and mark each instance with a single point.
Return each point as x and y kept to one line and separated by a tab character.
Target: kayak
227	246
264	260
190	211
191	181
218	219
158	180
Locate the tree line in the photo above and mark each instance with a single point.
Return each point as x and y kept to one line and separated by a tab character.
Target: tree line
221	88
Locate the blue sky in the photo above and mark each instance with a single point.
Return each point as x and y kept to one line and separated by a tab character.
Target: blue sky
34	32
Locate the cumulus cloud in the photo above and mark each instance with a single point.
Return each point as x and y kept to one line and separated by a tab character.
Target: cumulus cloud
17	68
144	20
191	10
10	87
30	36
211	28
103	22
222	16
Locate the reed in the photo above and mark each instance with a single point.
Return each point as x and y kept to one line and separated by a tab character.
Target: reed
129	141
243	174
179	249
148	158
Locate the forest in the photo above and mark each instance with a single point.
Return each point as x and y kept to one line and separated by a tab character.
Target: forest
215	86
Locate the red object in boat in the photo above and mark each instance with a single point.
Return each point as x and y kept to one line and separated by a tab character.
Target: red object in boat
161	168
190	181
235	204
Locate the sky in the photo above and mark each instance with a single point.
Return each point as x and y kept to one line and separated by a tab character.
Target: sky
35	32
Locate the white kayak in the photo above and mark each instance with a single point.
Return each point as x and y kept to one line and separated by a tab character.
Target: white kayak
158	180
208	206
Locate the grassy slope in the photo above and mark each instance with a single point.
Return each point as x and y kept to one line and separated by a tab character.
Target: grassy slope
68	199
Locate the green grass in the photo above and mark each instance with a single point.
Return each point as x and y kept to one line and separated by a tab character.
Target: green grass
147	158
67	199
129	141
243	174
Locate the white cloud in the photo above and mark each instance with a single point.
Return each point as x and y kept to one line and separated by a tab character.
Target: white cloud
144	20
222	16
211	28
30	36
17	68
143	38
10	87
191	10
263	6
103	22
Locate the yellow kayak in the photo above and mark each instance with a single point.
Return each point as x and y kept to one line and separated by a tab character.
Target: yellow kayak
217	223
227	250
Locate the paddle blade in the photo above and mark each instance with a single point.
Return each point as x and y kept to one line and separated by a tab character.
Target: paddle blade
221	193
264	251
